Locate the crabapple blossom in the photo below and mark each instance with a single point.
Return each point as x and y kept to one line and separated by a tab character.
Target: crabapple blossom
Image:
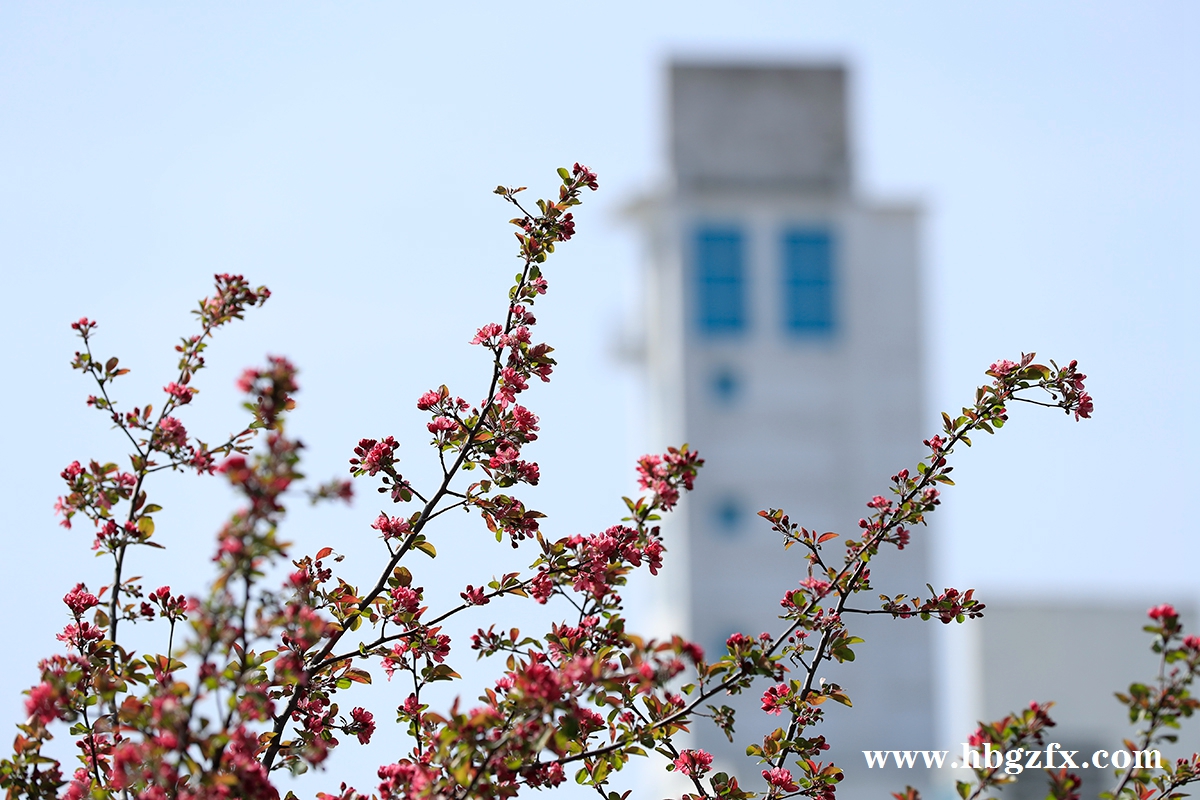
254	686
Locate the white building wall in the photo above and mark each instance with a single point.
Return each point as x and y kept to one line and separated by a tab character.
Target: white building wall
1074	652
816	424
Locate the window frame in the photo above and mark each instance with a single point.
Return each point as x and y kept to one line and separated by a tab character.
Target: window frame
719	260
809	280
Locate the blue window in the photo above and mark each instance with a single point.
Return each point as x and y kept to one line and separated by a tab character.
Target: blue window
808	282
720	261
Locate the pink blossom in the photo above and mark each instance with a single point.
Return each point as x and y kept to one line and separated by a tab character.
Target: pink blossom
475	596
364	724
429	400
172	432
203	462
394	660
373	456
816	585
653	552
528	472
80	600
693	651
693	763
236	469
433	645
1085	406
525	421
520	335
512	383
589	720
440	424
781	779
566	227
42	703
546	775
245	382
585	177
504	454
182	394
80	635
1165	612
539	680
775	698
487	333
406	600
522	316
65	510
540	587
391	527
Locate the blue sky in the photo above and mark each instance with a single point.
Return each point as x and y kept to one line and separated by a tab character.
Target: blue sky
344	156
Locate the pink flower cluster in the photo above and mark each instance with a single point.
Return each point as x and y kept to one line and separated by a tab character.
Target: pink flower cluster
774	700
391	527
781	779
171	433
80	600
664	475
181	394
600	555
693	763
372	456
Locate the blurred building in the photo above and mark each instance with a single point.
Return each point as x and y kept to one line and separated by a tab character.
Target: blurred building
1075	653
783	341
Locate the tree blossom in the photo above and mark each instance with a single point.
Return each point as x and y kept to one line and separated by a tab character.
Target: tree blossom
364	724
781	779
693	763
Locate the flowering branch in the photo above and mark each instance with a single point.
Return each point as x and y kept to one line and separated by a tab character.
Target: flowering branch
255	686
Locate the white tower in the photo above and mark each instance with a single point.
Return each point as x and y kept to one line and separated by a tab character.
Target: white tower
783	342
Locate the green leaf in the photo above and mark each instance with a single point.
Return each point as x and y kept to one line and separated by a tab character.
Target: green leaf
403	576
442	672
426	548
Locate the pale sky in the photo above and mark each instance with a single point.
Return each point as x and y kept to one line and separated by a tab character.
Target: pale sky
344	156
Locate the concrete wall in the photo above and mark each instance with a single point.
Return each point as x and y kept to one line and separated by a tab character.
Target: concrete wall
817	424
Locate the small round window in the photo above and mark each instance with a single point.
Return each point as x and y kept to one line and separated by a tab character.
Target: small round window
728	516
725	385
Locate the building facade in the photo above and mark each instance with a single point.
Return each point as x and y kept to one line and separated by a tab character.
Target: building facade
783	342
